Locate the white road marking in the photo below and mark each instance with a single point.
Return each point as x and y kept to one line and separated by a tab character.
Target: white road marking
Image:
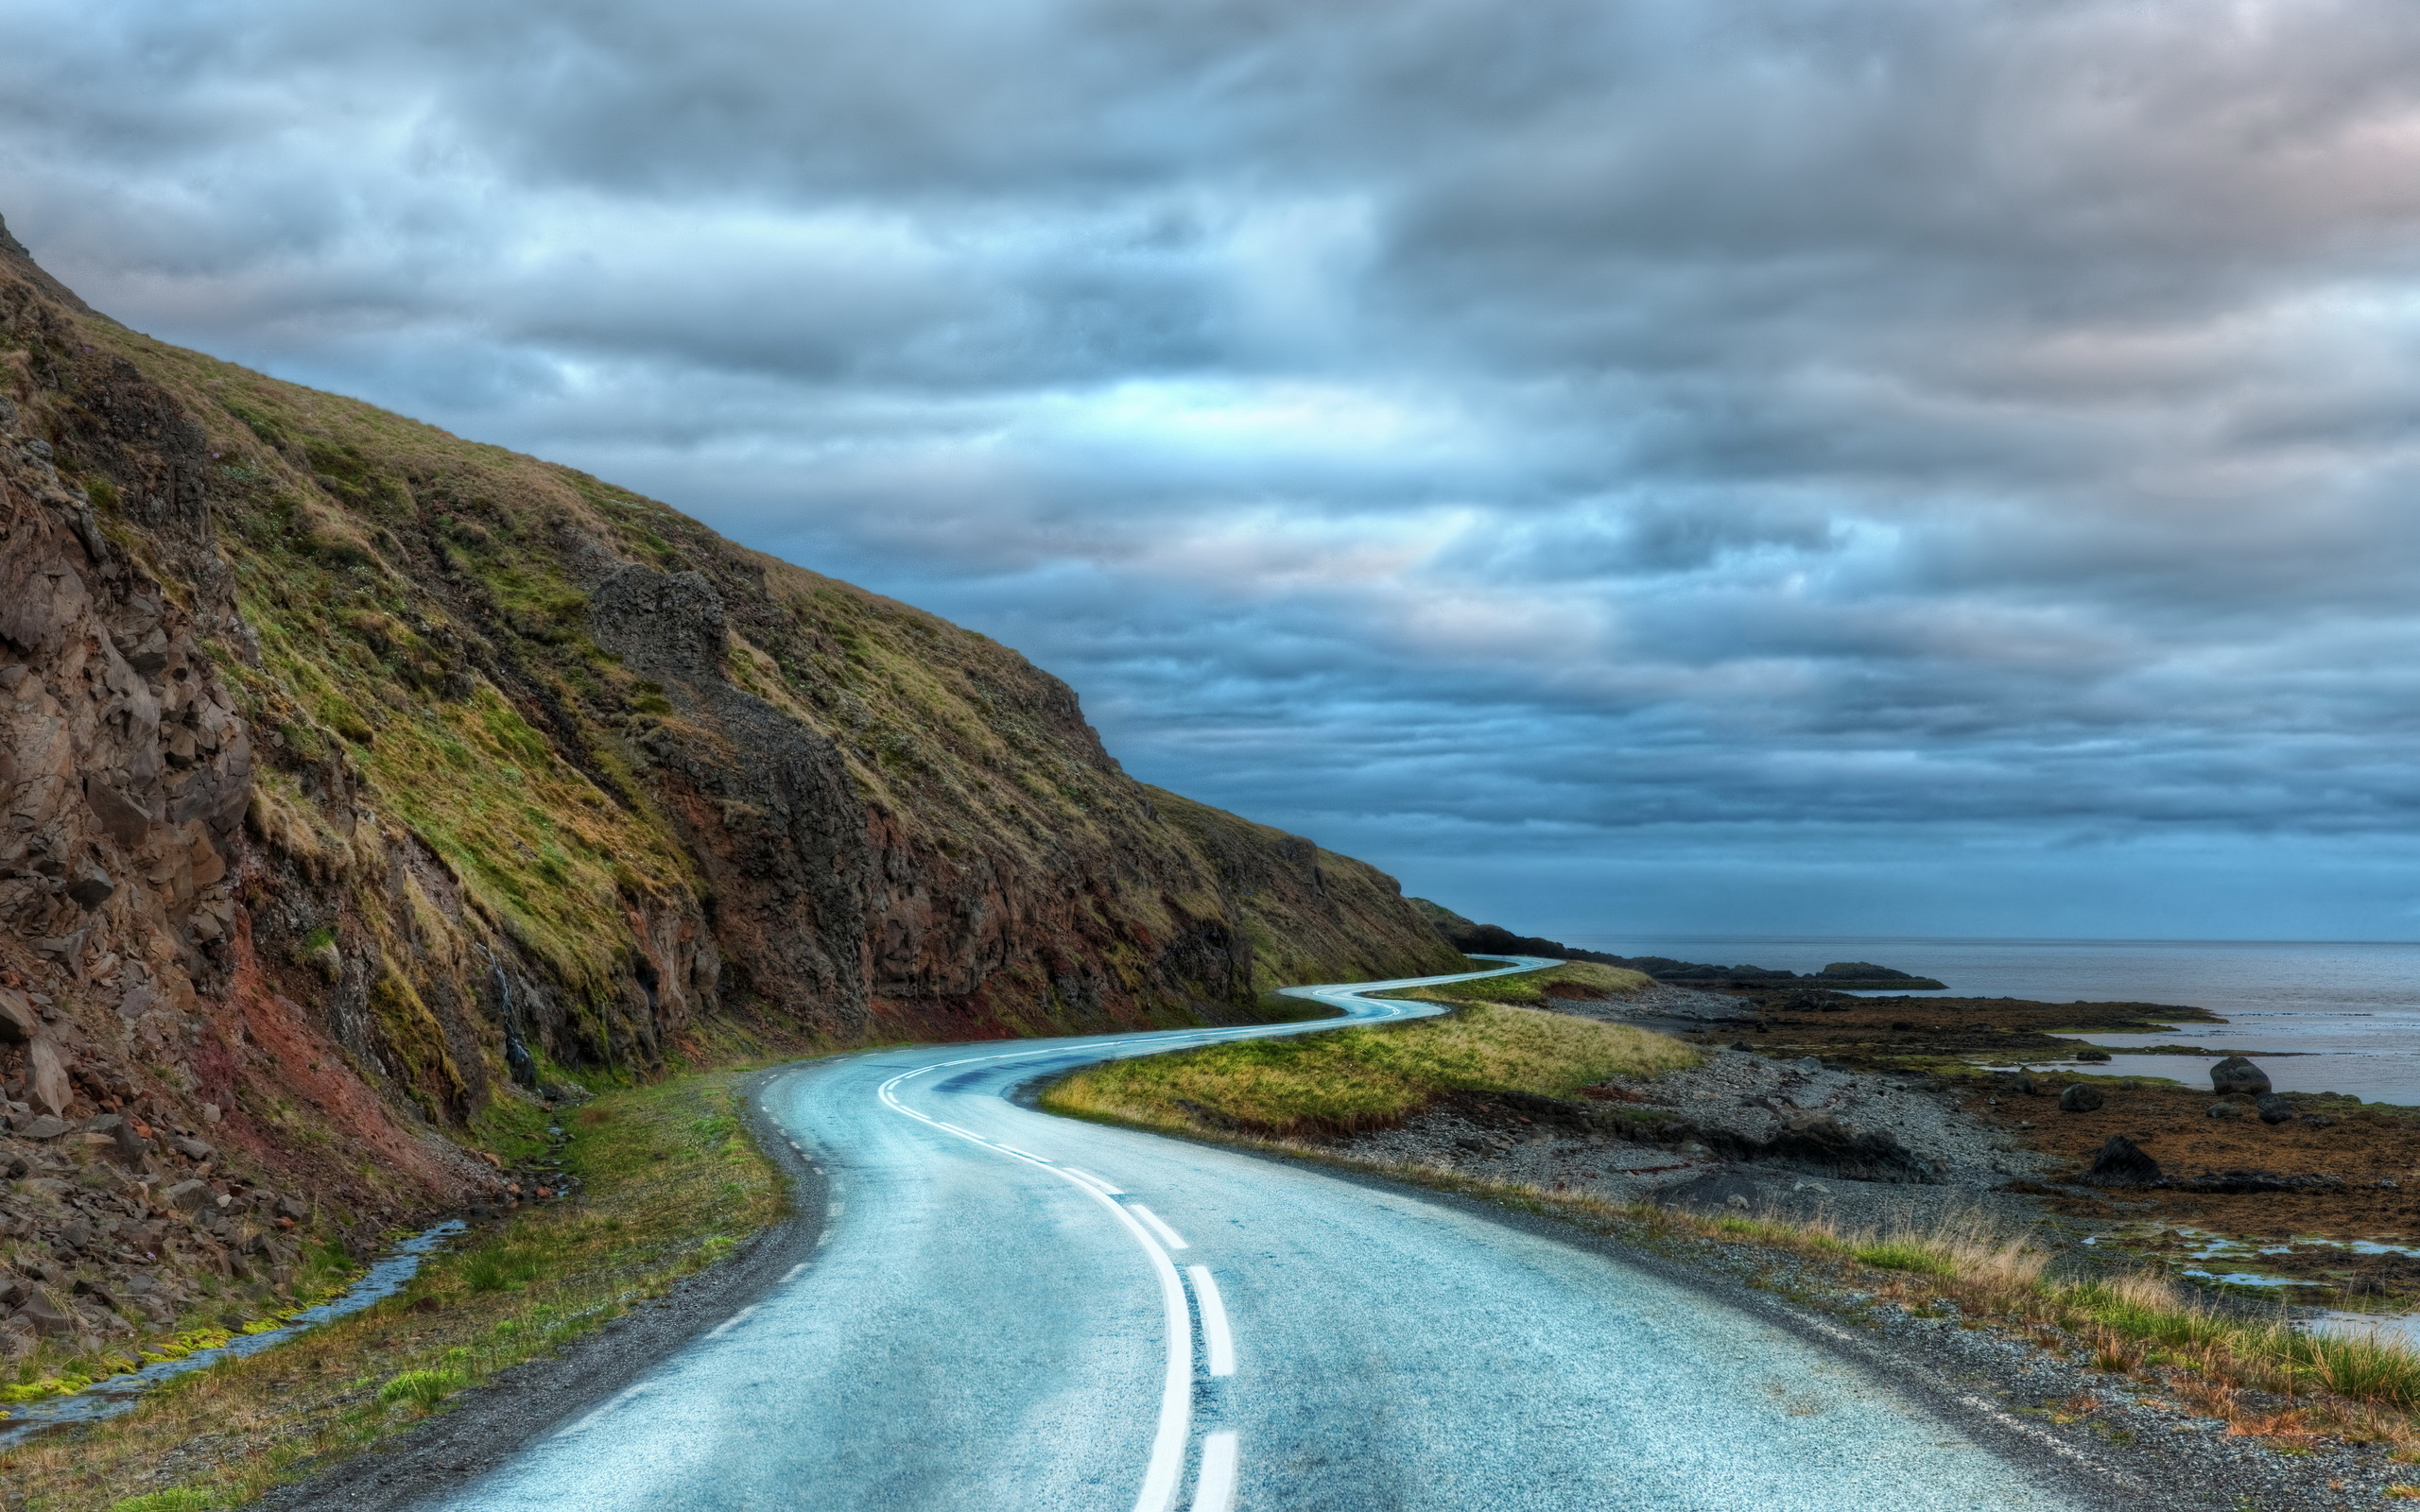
836	1209
1167	1466
731	1322
619	1398
1213	1489
1167	1235
795	1271
1220	1344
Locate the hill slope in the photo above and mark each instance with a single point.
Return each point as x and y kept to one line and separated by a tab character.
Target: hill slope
356	777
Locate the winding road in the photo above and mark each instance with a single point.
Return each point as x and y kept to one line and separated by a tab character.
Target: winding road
1008	1311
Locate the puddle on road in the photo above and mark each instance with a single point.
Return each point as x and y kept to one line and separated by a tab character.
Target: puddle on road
115	1394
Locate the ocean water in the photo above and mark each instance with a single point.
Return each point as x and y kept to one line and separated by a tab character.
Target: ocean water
2338	1017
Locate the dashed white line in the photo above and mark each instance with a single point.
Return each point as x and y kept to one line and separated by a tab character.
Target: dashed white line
1086	1175
1213	1489
1214	1337
731	1322
1167	1235
619	1398
795	1272
1167	1467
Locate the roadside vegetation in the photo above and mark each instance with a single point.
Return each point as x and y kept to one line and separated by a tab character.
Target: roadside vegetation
2203	1352
2209	1354
1351	1079
669	1184
1592	980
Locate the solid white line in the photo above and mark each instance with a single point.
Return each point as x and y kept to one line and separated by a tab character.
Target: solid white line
1167	1467
1213	1489
1216	1492
1220	1343
1087	1177
1167	1235
731	1322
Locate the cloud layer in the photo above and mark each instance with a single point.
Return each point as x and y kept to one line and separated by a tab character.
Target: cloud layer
1860	464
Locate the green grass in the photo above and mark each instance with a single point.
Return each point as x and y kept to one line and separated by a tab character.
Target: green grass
671	1184
1349	1079
1528	987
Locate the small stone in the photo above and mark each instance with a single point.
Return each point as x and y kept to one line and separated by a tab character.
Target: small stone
2082	1097
44	1129
2099	1057
1808	1065
193	1149
186	1197
2223	1110
2273	1109
2237	1074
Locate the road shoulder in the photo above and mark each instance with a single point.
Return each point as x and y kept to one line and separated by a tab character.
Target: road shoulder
485	1427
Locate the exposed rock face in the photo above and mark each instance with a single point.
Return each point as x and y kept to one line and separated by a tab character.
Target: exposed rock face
355	782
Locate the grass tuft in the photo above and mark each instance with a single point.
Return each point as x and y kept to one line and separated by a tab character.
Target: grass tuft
423	1389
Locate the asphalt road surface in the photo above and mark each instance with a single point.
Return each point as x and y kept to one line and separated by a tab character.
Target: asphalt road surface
1011	1311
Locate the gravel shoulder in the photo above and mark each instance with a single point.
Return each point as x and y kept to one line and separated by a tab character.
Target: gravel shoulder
486	1426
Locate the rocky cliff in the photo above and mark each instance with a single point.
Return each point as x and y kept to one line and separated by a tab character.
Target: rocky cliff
359	783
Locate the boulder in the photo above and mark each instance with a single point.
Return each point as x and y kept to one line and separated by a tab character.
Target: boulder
193	1149
92	888
187	1197
18	1020
51	1090
2082	1097
45	1127
45	1316
2122	1163
2274	1109
2097	1057
2238	1076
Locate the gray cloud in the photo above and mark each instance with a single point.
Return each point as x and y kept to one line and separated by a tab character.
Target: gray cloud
1774	447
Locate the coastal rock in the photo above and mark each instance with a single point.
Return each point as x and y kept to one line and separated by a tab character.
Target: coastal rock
2082	1097
2274	1109
2122	1163
2238	1076
2250	1183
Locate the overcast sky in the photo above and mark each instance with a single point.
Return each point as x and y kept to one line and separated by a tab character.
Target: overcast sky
1838	466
